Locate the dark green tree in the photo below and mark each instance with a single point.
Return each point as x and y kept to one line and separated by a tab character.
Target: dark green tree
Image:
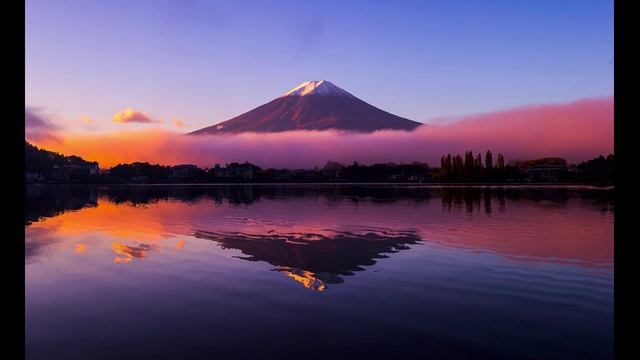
500	162
469	169
458	168
488	160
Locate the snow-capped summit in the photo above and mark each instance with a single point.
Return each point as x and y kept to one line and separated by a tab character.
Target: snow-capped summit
313	105
317	87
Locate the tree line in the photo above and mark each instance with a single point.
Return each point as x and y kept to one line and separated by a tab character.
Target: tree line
43	161
470	167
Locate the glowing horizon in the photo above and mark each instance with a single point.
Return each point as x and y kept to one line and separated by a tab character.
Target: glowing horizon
577	131
123	82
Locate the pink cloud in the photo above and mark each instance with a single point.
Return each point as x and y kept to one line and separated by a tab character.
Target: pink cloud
576	131
39	126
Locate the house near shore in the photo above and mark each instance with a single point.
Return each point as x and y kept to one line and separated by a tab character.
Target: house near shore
233	171
32	177
183	171
74	172
545	172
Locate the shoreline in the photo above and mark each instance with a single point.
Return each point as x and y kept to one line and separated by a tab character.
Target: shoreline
386	184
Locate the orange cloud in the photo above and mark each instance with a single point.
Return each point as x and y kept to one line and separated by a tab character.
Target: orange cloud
576	131
177	122
130	115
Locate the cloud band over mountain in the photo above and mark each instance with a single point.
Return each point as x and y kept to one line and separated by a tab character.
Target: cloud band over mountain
577	131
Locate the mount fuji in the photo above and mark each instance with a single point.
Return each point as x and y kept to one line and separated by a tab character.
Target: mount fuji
313	105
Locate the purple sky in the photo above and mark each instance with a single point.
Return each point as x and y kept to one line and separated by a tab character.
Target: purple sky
202	62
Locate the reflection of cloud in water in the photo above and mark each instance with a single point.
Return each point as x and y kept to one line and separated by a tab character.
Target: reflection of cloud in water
126	253
315	259
504	220
306	278
121	260
37	241
80	248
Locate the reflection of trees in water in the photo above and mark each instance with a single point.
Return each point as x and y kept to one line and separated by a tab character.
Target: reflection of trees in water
143	194
247	194
307	257
602	200
473	199
51	200
43	200
478	198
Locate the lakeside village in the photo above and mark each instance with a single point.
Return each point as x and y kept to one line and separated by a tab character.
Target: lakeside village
42	166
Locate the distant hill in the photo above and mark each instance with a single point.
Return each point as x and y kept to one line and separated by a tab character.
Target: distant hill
313	105
43	161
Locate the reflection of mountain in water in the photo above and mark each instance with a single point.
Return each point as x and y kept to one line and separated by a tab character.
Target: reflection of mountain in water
314	259
316	208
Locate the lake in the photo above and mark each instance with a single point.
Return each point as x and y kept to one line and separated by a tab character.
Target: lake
318	271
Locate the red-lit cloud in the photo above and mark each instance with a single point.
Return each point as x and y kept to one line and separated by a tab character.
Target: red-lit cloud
576	131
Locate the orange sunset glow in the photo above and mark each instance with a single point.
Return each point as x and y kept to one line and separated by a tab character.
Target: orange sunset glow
576	131
319	179
150	225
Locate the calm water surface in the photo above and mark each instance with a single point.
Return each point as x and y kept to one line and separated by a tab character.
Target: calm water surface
283	272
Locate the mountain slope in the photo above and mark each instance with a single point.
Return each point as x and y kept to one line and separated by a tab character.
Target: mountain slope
313	105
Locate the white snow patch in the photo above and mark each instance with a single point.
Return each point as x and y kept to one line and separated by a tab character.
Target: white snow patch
321	87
